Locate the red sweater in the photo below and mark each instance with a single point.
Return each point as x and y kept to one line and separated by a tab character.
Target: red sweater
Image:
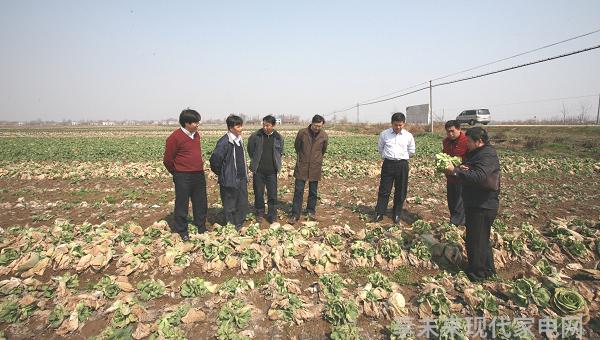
457	147
183	154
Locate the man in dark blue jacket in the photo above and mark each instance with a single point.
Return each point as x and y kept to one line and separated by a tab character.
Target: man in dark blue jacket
480	176
265	147
229	163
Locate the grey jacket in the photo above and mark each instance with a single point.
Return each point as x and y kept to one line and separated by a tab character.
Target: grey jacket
255	149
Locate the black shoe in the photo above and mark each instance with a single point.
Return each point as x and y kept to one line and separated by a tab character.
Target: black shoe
311	216
293	219
378	218
396	219
260	215
474	277
272	219
185	238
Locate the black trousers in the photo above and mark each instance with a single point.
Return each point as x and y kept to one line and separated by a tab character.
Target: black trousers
479	250
235	203
189	185
259	182
392	173
311	205
455	203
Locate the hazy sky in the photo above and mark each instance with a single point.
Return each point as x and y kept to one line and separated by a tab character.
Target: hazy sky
150	59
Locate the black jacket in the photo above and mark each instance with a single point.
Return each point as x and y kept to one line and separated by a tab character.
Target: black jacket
255	149
481	183
223	163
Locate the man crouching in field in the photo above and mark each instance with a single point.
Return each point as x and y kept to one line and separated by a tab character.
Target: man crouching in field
229	163
183	159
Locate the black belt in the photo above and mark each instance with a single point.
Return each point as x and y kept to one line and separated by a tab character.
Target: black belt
395	160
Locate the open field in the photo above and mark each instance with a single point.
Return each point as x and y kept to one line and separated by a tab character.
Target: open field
85	212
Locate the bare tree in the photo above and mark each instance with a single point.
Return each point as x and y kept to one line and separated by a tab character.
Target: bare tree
564	112
583	111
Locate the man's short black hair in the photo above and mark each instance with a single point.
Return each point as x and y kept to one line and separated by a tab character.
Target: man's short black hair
188	116
270	119
398	117
452	123
478	133
318	119
234	120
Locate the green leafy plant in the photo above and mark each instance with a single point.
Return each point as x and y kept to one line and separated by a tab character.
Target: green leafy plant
436	298
233	286
57	316
452	327
421	251
7	255
360	249
332	284
83	311
194	287
488	301
150	289
378	280
107	286
335	240
341	311
9	312
234	315
574	247
568	301
346	332
442	161
390	249
529	290
252	257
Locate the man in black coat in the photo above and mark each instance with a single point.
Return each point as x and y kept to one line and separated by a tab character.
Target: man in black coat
480	176
265	147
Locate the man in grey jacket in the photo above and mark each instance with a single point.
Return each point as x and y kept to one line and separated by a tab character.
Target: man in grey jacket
229	163
265	147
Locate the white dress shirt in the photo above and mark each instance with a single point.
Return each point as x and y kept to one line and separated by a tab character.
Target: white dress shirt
190	134
396	146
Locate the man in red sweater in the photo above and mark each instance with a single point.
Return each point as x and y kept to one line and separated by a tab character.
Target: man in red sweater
183	159
455	144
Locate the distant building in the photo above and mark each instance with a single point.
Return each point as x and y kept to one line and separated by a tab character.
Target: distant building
74	123
108	123
277	121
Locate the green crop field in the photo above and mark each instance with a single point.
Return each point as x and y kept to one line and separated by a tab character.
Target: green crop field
86	249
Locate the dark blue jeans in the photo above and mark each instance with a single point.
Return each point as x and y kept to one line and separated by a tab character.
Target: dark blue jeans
299	195
189	185
259	182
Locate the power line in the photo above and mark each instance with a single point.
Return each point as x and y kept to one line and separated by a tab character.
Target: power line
518	66
517	55
484	74
374	101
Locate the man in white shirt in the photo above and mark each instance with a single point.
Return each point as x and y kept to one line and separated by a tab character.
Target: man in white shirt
395	146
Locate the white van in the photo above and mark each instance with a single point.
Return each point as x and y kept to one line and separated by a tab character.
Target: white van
475	116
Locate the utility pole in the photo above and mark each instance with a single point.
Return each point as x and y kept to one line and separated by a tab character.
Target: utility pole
598	114
431	105
357	112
